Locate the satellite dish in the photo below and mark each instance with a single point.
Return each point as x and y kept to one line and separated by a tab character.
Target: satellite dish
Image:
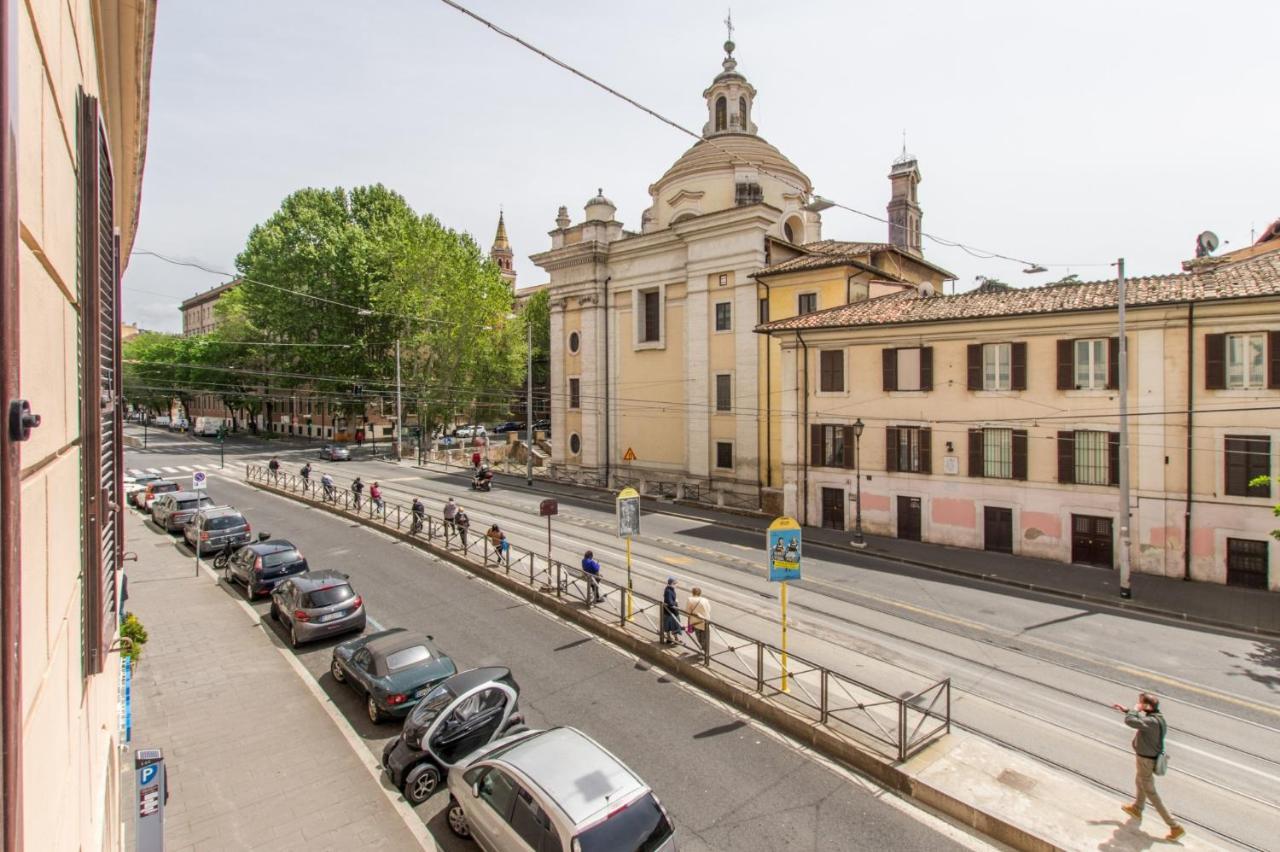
1206	243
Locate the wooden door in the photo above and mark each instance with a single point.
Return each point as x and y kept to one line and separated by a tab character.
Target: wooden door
1091	540
998	529
909	518
833	508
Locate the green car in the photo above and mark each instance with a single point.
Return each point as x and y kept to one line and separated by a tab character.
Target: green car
393	669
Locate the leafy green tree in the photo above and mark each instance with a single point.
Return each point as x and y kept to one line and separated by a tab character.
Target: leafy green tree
151	378
537	312
1275	510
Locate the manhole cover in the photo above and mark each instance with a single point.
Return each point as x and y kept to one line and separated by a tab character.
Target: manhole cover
1016	780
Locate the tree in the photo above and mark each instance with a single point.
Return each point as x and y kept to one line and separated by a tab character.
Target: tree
152	376
1275	510
537	312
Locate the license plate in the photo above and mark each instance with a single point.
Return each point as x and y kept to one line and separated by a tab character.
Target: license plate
422	692
333	616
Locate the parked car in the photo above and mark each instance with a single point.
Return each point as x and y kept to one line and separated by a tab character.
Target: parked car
393	669
161	420
466	711
133	483
477	431
542	426
556	789
262	565
178	424
315	605
173	510
209	530
207	426
154	489
509	426
335	452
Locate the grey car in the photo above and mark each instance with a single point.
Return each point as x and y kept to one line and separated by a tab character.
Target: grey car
335	452
315	605
554	790
209	530
172	511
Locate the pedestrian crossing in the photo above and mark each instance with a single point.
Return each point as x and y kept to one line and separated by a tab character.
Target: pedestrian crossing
158	471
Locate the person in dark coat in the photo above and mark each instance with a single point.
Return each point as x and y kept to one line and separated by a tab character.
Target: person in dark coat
670	614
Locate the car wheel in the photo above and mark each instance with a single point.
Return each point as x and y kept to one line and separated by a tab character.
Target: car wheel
275	612
420	783
336	670
458	819
375	712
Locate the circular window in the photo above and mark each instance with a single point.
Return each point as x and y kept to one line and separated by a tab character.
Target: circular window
574	342
575	444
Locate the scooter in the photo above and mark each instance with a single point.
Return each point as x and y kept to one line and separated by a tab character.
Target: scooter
482	480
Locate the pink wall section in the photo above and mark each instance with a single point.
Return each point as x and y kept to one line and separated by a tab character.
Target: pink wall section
1043	523
874	502
953	512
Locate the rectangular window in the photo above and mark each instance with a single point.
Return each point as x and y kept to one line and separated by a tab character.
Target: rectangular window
908	369
764	311
1092	458
748	192
724	316
1248	457
1091	363
833	449
724	455
908	450
651	317
1247	563
724	392
574	398
997	453
807	303
1247	360
831	371
997	363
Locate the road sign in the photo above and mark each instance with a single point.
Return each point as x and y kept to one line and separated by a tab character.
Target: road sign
629	455
547	508
784	550
628	513
151	791
198	480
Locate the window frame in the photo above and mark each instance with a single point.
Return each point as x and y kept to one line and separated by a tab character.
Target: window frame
715	393
574	342
1256	462
824	372
1095	367
733	454
993	381
728	317
573	393
800	299
1100	467
1244	381
640	318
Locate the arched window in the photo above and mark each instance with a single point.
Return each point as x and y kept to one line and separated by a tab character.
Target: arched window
786	232
743	121
722	109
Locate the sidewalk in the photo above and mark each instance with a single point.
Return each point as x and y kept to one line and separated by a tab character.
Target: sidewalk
1210	604
254	761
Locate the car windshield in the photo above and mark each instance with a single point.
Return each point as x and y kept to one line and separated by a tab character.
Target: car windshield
281	557
164	488
406	657
431	706
639	827
223	522
328	597
189	504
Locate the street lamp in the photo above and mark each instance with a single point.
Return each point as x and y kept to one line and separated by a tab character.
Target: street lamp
858	426
528	409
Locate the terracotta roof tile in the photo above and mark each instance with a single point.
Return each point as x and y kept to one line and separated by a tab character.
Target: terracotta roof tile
821	254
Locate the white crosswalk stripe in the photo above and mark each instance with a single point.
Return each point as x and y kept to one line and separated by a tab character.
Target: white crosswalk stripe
154	470
170	470
134	471
187	468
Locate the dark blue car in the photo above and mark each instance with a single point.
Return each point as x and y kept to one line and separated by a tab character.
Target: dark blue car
393	669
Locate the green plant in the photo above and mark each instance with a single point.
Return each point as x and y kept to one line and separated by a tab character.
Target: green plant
132	630
1275	510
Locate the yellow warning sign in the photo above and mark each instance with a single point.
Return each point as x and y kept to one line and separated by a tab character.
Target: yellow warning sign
629	455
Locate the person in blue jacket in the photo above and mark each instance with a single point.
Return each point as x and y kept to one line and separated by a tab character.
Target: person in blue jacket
591	568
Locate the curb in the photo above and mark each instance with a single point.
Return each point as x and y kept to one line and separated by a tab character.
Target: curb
798	727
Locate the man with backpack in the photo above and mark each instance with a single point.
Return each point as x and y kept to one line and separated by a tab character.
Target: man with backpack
1148	746
274	467
306	477
463	523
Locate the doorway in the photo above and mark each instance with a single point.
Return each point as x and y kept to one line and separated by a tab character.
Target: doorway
997	525
1091	540
833	508
909	518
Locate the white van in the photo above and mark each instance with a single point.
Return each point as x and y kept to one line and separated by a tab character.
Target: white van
207	426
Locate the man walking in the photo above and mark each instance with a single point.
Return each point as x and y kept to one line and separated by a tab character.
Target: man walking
375	496
1148	745
699	609
591	570
357	489
450	513
306	477
274	467
327	481
462	523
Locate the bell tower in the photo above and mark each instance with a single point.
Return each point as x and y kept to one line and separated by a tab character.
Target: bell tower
502	255
905	216
729	97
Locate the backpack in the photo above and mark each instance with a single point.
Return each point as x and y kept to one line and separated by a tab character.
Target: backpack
1162	759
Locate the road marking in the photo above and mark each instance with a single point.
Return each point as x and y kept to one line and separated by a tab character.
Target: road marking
186	468
677	560
170	470
154	470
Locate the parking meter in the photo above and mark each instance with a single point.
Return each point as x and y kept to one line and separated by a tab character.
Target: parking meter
152	791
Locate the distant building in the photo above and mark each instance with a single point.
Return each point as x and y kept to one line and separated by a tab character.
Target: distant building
198	316
502	255
128	331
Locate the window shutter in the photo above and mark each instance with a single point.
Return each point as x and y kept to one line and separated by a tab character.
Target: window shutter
926	450
891	448
926	368
890	369
1019	446
848	446
1066	365
1215	361
1113	457
815	445
1018	366
975	366
1273	357
1066	457
975	452
1237	471
1113	363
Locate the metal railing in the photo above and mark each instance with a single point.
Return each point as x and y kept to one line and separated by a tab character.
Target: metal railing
896	726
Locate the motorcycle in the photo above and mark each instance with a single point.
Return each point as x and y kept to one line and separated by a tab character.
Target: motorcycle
482	480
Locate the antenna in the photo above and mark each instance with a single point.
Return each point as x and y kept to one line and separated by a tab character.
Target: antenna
1206	243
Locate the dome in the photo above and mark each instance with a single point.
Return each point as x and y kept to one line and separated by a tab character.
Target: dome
729	151
600	199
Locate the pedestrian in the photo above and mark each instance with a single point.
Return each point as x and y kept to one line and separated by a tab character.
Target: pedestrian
327	481
357	489
1148	748
375	497
274	467
498	540
306	477
670	614
463	523
450	514
475	460
591	570
419	512
699	610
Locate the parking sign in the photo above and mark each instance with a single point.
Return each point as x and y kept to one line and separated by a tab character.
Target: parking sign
198	480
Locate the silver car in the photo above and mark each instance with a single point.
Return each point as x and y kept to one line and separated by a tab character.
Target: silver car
315	605
335	452
173	510
209	530
554	790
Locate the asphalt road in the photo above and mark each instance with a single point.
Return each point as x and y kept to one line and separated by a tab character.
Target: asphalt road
728	783
1033	672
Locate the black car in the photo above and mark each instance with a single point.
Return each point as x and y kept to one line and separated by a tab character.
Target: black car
542	426
263	565
393	669
509	426
469	710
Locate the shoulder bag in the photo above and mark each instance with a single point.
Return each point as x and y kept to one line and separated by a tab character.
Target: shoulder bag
1162	759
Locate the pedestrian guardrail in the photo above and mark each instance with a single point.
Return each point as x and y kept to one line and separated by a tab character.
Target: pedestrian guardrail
897	726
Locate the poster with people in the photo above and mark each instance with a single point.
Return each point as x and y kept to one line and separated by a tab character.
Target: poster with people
784	550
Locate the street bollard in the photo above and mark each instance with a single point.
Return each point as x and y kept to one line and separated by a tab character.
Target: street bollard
559	584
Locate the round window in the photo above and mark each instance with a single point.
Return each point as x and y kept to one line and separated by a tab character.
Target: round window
575	444
574	342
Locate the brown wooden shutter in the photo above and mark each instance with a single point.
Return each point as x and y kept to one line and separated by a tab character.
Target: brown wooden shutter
1066	457
848	446
1215	361
1113	458
1113	363
890	357
1066	365
1018	366
815	445
926	450
975	452
1273	359
891	448
975	366
926	368
1019	444
1236	467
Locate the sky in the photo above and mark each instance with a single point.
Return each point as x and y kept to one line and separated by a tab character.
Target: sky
1068	134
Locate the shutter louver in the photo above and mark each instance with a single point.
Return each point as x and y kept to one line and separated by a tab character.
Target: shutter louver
1066	457
1113	458
1113	363
975	366
1215	362
1237	469
1019	447
926	450
815	445
1018	366
848	446
1273	360
891	448
975	452
926	368
1066	365
890	358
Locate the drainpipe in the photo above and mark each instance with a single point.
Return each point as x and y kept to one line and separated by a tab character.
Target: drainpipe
804	428
608	447
768	398
1191	390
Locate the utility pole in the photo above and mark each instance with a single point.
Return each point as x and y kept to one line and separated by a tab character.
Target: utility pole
1125	590
398	411
528	408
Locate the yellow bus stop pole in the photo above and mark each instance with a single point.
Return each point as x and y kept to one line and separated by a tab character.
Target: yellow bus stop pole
785	687
629	602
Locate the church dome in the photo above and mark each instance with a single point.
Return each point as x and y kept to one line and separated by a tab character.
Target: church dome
732	151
